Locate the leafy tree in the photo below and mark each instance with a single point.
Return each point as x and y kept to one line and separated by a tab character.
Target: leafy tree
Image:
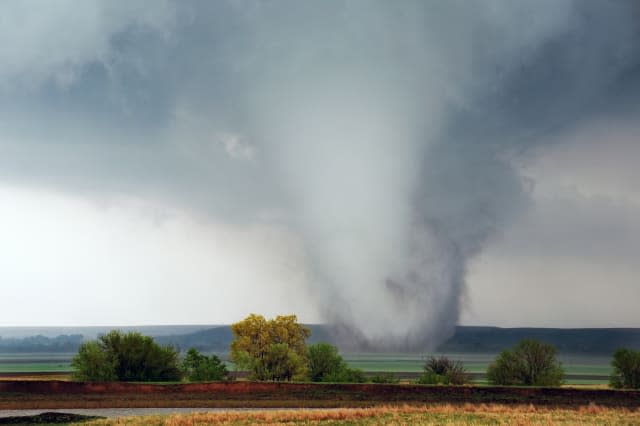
324	359
506	370
271	349
443	371
126	357
530	363
326	365
282	363
94	364
626	369
199	368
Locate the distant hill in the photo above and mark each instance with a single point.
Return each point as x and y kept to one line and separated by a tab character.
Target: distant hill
218	339
593	341
91	332
583	341
39	343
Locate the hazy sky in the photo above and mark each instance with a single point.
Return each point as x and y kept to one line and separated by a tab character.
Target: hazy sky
187	162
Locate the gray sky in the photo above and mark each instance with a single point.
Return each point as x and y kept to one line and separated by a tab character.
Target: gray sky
429	162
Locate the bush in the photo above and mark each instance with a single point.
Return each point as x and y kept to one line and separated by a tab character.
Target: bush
126	357
199	368
384	378
443	371
626	369
346	375
530	363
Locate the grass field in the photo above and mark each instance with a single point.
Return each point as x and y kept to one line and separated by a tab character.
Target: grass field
474	414
596	370
580	370
35	362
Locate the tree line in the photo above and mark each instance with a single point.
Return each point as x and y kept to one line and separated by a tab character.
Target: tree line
276	350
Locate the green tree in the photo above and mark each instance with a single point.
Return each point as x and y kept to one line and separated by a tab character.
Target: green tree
282	363
626	369
199	368
271	349
324	360
529	363
326	365
128	357
93	364
443	371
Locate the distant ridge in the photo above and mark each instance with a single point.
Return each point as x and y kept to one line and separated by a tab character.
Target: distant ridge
595	341
466	339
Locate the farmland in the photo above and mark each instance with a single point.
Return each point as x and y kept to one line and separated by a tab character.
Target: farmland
579	369
585	353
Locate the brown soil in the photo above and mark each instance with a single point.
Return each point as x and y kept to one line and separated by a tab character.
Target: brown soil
61	394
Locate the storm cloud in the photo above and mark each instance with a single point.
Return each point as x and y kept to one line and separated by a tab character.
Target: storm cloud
388	142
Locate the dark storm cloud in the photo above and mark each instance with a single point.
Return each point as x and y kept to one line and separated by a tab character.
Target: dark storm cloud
387	135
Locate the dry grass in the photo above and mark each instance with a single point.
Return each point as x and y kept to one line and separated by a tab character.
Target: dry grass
478	414
601	386
35	376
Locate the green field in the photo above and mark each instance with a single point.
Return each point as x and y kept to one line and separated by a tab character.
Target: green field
587	366
35	362
581	369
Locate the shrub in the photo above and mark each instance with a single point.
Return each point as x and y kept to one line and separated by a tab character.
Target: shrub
384	378
126	357
443	371
199	368
530	363
626	369
346	375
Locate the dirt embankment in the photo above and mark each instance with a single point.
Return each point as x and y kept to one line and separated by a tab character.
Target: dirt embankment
61	394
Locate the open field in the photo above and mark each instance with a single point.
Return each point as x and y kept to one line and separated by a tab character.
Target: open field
59	394
579	369
438	414
35	362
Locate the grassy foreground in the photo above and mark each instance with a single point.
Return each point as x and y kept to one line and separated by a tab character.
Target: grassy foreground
475	414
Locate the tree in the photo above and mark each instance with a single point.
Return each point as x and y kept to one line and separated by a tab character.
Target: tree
282	363
93	364
530	363
126	357
324	360
326	365
199	368
626	369
443	371
271	349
